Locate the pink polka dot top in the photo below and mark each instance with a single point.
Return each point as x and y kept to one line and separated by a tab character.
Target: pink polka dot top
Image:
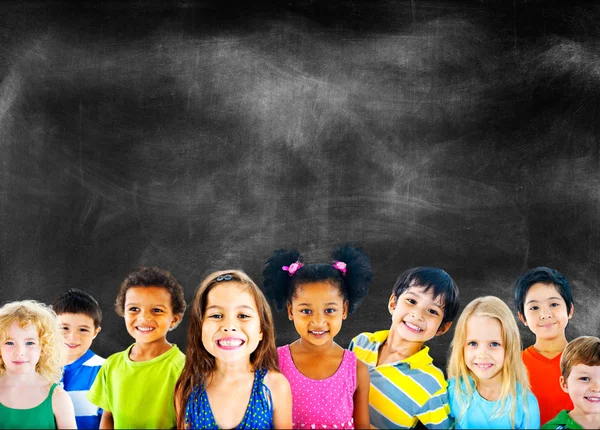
325	403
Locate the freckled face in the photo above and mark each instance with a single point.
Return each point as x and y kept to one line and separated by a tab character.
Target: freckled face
317	310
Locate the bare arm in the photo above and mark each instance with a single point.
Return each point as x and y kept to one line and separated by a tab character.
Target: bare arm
361	396
107	421
281	395
62	406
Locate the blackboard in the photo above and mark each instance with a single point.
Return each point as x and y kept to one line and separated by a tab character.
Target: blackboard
197	136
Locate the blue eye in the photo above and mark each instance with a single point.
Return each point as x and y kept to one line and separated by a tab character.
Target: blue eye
472	343
495	344
584	378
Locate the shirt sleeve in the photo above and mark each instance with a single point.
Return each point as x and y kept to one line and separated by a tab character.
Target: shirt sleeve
98	393
435	413
351	346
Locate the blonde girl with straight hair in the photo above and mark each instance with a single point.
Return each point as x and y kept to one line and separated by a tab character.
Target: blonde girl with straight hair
489	385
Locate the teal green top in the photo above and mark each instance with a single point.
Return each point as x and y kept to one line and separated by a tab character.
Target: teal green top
562	421
39	417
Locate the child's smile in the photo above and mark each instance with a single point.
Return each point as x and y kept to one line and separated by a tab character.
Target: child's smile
416	316
149	314
21	351
318	309
231	325
484	350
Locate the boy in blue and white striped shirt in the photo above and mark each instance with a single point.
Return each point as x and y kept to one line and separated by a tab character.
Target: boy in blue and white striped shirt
79	316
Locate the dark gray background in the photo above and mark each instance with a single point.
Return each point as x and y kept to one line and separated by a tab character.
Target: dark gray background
198	136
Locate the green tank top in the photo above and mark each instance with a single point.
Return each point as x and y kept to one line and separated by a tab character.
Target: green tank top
39	417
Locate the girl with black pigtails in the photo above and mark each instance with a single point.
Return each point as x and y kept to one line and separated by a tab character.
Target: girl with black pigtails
330	387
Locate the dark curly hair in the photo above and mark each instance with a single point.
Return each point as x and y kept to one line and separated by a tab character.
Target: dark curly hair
280	287
152	277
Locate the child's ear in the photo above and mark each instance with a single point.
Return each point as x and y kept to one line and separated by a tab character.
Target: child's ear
392	303
444	328
345	314
175	322
522	318
563	384
98	329
572	310
290	313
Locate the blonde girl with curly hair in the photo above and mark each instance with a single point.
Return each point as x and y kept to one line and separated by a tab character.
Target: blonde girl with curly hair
31	357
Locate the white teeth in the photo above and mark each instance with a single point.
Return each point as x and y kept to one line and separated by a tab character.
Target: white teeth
317	332
414	327
230	342
145	328
594	399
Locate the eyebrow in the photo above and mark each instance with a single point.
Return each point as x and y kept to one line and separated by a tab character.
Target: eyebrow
238	307
549	298
81	325
326	304
158	305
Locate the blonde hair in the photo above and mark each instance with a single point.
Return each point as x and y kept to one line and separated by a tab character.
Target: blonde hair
513	370
43	318
583	350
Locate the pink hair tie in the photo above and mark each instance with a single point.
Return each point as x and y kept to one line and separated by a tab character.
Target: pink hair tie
341	266
292	268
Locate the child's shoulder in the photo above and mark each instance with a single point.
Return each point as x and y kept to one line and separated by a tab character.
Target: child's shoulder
368	340
276	382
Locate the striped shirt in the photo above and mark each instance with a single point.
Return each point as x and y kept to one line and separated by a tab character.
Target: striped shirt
405	392
77	380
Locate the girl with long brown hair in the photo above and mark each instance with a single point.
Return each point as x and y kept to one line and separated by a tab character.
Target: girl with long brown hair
230	378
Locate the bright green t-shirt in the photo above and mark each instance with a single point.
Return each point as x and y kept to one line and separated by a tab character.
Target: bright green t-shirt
562	421
139	394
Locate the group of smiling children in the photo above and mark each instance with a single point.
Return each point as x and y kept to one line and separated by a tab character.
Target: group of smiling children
233	375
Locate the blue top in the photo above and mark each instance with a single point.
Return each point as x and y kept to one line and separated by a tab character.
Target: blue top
258	415
77	380
483	414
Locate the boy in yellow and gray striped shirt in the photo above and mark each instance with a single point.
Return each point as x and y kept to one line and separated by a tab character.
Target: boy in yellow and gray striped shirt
406	388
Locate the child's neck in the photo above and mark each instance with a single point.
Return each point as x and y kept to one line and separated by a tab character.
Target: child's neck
148	351
232	371
308	348
395	349
20	380
587	421
490	389
550	348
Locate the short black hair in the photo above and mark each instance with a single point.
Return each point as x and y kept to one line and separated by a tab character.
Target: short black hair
152	277
542	275
354	284
75	301
431	277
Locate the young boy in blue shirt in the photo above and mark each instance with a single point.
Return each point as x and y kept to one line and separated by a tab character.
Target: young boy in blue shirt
79	317
407	390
